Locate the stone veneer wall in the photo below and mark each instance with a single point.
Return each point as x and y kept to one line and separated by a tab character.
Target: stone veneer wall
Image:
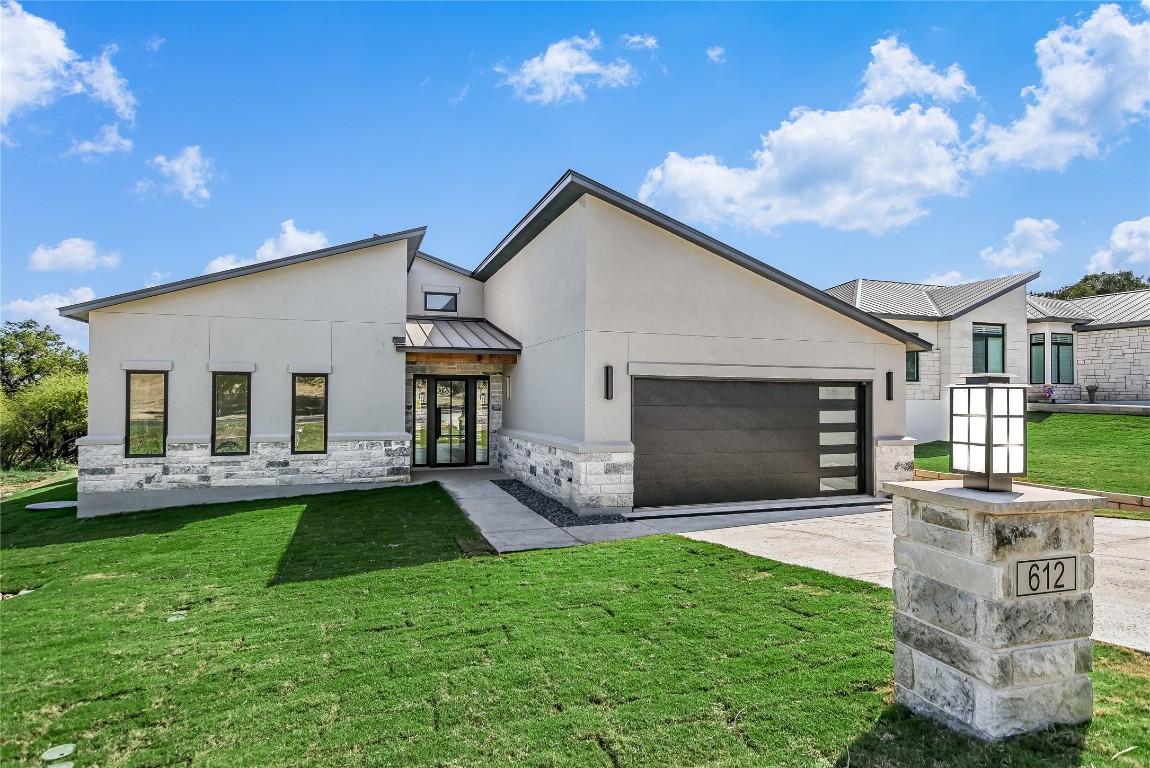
495	393
1036	392
893	461
103	468
929	384
578	480
1117	360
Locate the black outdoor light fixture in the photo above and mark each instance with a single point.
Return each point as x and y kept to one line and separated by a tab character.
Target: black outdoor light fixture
890	385
608	382
988	431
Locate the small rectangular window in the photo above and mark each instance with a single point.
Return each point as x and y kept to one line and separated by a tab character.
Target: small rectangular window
309	413
231	409
440	302
1038	358
1062	358
147	428
912	366
989	348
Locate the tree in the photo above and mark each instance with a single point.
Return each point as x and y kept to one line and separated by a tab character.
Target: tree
41	421
28	353
1099	285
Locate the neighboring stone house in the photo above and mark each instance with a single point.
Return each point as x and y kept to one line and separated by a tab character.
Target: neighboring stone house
1098	340
603	353
977	327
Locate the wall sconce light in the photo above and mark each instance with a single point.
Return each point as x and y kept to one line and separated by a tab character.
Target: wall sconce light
890	385
988	431
608	382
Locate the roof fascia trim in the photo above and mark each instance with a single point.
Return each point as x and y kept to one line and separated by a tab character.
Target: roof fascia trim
80	311
445	264
1086	327
583	185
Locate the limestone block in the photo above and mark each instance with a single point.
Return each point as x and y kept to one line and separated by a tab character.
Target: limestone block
1009	712
944	687
941	538
1045	663
936	514
942	605
1003	624
903	665
996	537
965	573
963	655
900	516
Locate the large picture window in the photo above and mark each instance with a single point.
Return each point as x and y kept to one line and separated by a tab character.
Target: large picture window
912	366
1038	358
1062	358
989	348
231	409
146	433
309	413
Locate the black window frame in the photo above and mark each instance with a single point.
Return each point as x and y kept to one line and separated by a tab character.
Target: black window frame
917	377
975	337
1055	358
1038	340
471	398
128	417
248	437
326	406
454	301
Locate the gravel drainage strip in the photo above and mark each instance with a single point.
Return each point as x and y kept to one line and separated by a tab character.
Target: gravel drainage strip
550	509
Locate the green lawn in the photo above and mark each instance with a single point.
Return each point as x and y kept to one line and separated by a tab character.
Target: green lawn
369	628
1075	450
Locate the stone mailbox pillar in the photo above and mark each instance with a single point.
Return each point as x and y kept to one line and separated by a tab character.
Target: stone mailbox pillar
993	611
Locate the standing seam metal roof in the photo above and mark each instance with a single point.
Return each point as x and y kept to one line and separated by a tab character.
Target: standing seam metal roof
919	301
1128	309
1046	308
451	334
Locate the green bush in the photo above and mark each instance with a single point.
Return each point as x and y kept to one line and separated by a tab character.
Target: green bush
40	423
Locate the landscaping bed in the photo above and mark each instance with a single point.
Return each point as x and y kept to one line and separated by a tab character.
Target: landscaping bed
369	628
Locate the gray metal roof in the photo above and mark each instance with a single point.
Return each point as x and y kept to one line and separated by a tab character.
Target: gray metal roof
919	301
1115	310
1044	308
80	311
451	334
572	186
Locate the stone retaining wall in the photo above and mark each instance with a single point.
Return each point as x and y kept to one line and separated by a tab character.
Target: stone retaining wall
1122	501
578	480
103	468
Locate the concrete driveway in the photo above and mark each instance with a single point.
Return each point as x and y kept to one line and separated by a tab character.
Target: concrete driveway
861	546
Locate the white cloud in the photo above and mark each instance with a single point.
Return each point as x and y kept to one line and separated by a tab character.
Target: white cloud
866	168
459	97
894	72
1129	248
154	43
74	254
717	54
188	174
1027	244
157	278
106	85
105	142
37	67
562	72
640	42
34	60
43	308
953	277
289	242
1094	84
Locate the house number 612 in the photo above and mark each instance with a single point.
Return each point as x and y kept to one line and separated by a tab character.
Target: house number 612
1041	577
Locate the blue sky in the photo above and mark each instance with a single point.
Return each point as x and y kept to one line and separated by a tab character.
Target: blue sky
908	141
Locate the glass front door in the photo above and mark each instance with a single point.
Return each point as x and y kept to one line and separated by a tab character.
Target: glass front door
450	421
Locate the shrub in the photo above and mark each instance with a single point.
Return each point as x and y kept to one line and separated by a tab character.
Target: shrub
40	422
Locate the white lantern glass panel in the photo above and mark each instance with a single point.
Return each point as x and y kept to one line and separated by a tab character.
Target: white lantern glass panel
1017	431
960	429
959	457
998	430
978	430
999	397
977	460
961	401
998	460
1017	402
978	402
1017	459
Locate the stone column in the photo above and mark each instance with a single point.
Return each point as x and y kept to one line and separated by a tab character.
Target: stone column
993	610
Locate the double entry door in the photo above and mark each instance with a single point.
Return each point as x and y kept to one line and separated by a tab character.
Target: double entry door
450	422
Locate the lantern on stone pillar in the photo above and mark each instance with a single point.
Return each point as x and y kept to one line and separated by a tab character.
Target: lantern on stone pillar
988	431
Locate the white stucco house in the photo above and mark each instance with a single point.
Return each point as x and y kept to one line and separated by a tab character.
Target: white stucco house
603	353
994	326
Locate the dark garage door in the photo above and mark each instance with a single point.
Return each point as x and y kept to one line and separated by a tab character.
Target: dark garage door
709	441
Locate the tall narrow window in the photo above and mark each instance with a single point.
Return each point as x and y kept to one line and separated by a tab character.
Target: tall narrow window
1038	358
309	413
1062	358
989	348
482	411
419	421
231	409
912	366
147	428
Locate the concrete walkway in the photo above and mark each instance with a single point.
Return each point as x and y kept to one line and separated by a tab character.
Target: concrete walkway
861	546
